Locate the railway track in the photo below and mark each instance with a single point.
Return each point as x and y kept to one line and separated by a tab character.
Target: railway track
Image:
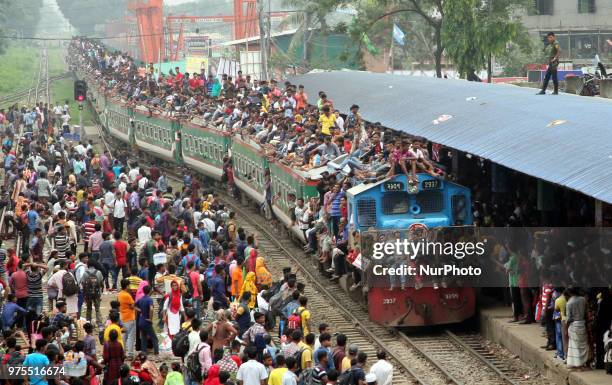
439	358
29	94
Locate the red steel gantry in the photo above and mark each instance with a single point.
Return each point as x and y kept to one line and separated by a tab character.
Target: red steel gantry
149	17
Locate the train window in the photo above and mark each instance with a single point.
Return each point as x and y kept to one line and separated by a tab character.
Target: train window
430	201
395	202
366	212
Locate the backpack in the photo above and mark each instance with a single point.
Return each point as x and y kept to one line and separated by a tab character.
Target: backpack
194	366
180	343
298	359
91	286
308	377
345	378
189	285
69	284
295	320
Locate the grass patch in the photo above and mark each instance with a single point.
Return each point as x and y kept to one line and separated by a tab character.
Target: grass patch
62	90
19	67
56	61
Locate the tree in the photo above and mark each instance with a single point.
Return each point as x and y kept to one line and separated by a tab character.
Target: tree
84	15
462	27
373	21
310	14
18	18
516	57
474	31
430	12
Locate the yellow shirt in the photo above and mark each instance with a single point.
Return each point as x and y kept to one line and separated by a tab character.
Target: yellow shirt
108	330
305	318
276	376
306	354
560	304
134	282
327	123
79	195
346	364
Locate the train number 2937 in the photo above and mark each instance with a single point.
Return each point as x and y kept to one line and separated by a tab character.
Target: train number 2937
388	301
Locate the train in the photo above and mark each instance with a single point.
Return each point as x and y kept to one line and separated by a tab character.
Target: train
389	205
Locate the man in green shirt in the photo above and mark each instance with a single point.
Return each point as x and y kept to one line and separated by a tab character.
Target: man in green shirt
553	63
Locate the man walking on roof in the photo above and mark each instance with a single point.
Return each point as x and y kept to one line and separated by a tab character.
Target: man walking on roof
553	64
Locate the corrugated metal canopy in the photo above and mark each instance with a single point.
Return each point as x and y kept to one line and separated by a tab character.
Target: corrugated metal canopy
506	124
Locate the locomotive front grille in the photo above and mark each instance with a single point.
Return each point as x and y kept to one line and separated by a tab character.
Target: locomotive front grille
430	201
366	212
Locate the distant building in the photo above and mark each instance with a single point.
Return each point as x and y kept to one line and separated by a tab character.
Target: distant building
583	27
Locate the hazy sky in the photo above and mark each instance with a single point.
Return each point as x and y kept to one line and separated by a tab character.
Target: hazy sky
175	2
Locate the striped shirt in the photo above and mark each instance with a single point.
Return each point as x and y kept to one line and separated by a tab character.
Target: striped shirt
88	229
61	245
2	261
335	204
34	284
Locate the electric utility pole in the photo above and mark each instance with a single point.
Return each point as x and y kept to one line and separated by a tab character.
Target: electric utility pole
263	36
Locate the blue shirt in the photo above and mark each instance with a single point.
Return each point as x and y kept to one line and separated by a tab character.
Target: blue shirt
32	220
11	309
144	304
36	360
143	273
117	171
188	258
204	238
217	289
8	160
330	360
335	206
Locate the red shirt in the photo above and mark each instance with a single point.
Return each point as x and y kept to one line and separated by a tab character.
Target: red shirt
19	283
194	83
121	248
195	278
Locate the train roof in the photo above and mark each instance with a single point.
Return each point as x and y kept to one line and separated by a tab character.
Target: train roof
562	139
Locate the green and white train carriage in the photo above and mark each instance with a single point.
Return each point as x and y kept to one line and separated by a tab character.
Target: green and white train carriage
157	135
249	165
204	148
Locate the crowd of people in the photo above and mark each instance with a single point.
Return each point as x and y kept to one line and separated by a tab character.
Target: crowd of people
307	134
147	281
173	264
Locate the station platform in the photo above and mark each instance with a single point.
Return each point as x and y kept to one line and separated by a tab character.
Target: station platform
526	340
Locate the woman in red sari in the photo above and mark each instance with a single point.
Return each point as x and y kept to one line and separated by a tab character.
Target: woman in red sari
113	357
